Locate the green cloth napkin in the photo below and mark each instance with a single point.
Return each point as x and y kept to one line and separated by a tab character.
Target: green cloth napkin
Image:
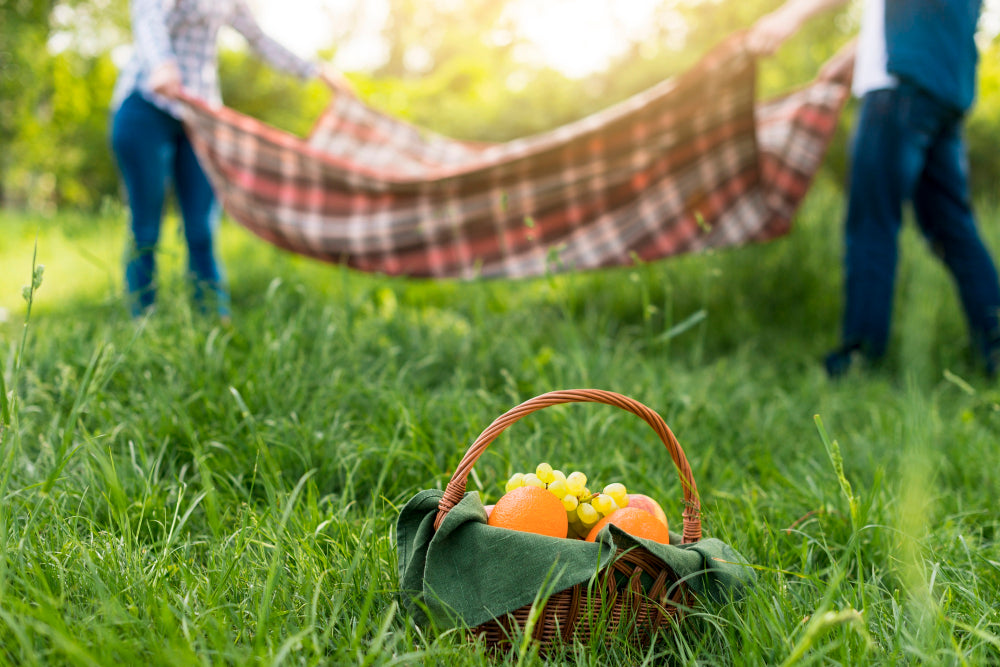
468	572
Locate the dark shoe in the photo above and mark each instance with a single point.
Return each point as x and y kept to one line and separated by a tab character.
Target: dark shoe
838	362
992	363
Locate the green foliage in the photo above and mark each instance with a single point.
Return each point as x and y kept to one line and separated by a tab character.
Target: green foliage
22	37
258	90
176	492
62	147
53	117
983	130
469	83
442	30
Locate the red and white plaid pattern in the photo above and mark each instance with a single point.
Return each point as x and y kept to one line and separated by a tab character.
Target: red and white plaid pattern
690	164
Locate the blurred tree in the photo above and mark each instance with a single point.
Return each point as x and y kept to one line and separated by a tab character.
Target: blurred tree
23	34
53	102
454	66
983	128
424	34
256	89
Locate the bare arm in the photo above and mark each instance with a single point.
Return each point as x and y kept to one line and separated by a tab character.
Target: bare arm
771	30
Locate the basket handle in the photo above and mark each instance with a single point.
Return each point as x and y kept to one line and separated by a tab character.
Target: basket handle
455	490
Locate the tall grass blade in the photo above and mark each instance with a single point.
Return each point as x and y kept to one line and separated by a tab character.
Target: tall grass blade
837	460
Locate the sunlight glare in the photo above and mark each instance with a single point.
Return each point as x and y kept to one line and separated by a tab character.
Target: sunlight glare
579	37
575	37
349	26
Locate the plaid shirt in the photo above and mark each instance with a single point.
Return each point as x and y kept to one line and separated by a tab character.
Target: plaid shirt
184	32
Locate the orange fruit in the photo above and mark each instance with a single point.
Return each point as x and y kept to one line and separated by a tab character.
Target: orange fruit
635	522
530	509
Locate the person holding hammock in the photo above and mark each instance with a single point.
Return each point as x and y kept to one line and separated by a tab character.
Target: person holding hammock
175	51
915	73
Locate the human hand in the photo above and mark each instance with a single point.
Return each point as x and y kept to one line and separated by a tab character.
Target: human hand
337	82
166	81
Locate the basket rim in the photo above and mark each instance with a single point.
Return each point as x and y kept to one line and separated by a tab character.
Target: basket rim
691	517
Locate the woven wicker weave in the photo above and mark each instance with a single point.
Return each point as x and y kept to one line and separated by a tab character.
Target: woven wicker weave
637	593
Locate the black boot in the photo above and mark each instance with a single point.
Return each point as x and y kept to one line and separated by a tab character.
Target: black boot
839	361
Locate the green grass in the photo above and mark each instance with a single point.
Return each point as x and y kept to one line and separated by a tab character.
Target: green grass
173	492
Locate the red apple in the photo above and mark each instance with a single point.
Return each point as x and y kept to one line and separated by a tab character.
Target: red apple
489	510
647	504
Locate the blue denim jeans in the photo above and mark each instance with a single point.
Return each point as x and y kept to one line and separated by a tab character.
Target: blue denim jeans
908	147
152	152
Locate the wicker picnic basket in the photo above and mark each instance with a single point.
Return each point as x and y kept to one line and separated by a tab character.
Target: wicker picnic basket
634	596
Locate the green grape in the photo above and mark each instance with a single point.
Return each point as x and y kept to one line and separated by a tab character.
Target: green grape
559	474
576	528
558	487
604	504
618	493
570	502
516	481
576	482
544	472
531	479
587	514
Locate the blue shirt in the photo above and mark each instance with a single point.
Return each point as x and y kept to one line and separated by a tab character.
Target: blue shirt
931	44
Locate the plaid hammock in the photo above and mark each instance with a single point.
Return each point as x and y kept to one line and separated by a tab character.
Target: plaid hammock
689	164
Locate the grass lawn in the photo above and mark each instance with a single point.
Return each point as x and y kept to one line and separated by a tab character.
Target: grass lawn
174	492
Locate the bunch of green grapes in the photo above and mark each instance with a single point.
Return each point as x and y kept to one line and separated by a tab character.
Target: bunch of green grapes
583	508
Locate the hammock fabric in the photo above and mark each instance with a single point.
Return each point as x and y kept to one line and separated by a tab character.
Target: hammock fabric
689	164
